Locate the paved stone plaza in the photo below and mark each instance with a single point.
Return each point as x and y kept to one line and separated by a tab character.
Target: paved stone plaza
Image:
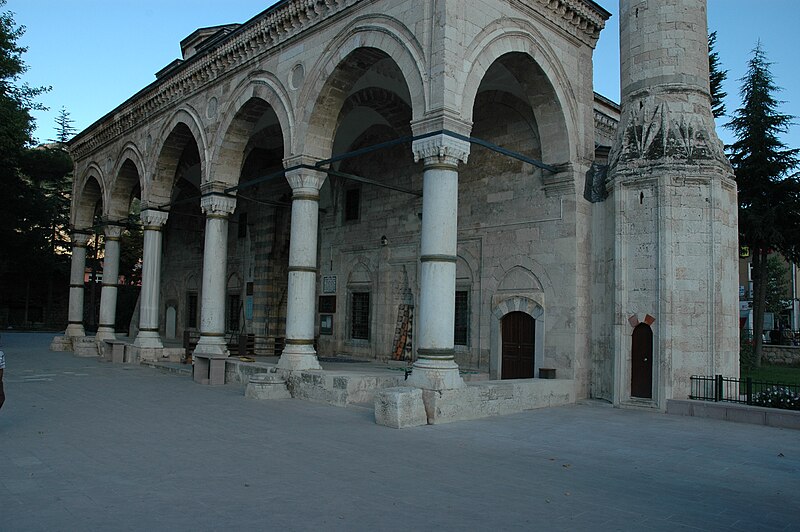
89	445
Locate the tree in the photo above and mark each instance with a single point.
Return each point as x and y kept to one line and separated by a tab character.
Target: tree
35	185
769	197
777	285
64	128
715	78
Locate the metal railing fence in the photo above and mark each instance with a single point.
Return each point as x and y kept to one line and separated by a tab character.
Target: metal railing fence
745	391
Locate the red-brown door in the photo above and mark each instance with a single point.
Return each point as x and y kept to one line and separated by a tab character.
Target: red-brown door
642	362
518	340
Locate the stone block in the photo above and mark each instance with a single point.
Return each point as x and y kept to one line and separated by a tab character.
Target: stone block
679	407
266	386
84	346
496	398
61	344
786	419
744	414
400	408
208	370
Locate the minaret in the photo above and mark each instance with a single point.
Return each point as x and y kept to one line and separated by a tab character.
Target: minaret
674	203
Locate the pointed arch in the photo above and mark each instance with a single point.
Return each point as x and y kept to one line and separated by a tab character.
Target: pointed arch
128	175
184	126
88	192
554	103
260	92
368	38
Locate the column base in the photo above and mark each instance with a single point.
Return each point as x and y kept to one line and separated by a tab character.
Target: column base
75	330
148	339
435	375
298	358
105	333
61	344
211	347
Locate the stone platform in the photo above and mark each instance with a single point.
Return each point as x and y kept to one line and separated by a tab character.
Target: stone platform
401	407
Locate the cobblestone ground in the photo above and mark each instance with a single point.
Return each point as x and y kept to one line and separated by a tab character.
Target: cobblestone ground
87	445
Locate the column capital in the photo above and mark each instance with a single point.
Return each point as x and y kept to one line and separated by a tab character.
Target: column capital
80	238
217	204
153	219
440	149
304	181
113	231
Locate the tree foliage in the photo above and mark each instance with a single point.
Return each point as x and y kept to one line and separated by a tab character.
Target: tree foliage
716	77
769	196
35	182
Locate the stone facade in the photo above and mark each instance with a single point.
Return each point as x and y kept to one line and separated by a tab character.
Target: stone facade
430	245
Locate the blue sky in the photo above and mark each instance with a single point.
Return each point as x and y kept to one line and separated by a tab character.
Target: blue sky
97	53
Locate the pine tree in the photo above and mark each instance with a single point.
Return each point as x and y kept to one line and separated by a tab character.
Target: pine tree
716	77
769	198
64	128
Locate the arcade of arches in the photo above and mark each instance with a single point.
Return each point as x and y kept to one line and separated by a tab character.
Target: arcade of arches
385	179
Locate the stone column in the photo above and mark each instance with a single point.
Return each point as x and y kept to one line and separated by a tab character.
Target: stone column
217	207
153	222
108	296
435	367
299	353
76	282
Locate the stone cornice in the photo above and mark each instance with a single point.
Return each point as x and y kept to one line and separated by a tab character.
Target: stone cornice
264	32
606	125
585	17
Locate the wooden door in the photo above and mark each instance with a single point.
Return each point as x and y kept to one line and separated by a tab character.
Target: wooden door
642	362
518	346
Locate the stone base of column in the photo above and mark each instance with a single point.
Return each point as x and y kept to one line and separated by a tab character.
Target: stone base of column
435	375
211	347
75	330
105	333
297	357
148	339
61	344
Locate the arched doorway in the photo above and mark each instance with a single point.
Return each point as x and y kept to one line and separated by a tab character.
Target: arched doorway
642	362
518	346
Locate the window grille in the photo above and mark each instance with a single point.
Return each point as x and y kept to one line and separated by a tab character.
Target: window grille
191	311
461	329
233	312
359	318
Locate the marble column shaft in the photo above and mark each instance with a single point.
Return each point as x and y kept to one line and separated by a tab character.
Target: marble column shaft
435	367
76	283
217	207
108	295
299	353
153	222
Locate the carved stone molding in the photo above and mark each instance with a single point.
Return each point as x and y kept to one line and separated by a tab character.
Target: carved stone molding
585	19
440	149
265	32
661	126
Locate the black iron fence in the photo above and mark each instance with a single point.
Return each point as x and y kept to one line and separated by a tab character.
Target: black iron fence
745	391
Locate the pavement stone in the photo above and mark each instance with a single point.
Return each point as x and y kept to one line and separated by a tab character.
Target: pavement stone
89	445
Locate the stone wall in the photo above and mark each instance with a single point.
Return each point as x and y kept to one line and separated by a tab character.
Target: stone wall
781	355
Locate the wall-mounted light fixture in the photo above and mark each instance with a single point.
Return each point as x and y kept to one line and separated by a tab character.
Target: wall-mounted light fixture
384	241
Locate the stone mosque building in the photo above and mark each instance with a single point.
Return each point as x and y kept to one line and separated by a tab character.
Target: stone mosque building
431	181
